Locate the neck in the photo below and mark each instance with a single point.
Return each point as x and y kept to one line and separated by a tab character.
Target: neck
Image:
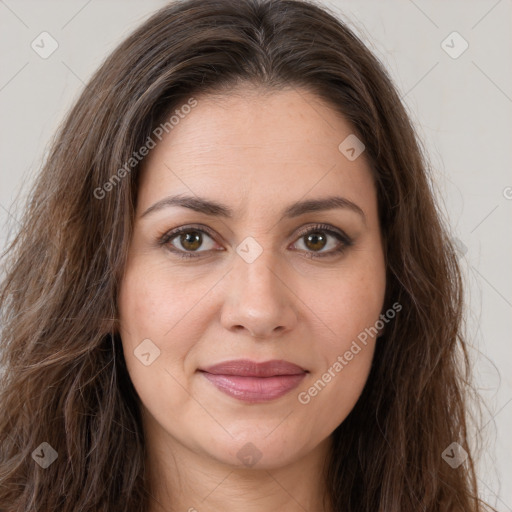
182	480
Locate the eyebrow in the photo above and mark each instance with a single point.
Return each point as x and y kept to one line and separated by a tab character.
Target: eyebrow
216	209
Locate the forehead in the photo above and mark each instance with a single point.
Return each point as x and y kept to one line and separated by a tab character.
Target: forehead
254	145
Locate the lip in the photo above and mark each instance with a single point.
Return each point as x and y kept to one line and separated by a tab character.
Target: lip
254	382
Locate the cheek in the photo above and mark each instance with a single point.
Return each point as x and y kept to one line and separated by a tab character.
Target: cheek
159	303
349	305
153	302
154	307
349	299
151	308
333	393
345	357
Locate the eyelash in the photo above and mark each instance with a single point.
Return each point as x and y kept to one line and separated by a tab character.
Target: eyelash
167	237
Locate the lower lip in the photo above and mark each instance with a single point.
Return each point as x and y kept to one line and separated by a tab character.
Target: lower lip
255	389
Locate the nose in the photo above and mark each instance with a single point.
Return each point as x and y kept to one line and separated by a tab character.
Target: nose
258	299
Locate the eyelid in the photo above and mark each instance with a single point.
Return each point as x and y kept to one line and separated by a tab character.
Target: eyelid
346	241
327	228
166	237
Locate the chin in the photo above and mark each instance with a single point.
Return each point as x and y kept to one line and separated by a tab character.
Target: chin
255	452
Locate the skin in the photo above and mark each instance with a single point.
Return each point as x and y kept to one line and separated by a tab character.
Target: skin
218	307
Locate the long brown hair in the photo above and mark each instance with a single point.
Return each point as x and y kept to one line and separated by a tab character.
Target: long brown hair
65	381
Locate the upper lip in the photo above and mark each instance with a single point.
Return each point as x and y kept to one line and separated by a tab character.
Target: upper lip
248	368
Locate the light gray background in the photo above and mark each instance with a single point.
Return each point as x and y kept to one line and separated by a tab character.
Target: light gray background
462	108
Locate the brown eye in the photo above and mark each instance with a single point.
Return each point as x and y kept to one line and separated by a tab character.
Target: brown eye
315	241
320	237
187	241
191	240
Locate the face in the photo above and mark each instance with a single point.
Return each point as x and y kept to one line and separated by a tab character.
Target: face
261	276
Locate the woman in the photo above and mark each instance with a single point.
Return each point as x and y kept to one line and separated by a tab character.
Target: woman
232	289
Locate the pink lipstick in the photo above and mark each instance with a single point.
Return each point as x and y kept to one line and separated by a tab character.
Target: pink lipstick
255	382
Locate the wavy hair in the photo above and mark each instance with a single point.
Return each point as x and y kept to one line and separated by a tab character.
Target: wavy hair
64	379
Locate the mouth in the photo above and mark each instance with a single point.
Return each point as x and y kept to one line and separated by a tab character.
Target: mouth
254	382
